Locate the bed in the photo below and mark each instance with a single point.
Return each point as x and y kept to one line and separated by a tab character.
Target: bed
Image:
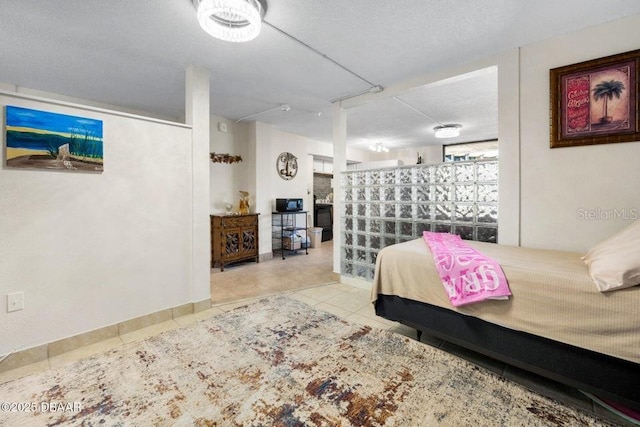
555	324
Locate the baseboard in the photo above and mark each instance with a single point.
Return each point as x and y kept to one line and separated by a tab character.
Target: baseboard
265	257
44	351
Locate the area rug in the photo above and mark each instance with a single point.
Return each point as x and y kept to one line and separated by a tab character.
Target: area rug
278	362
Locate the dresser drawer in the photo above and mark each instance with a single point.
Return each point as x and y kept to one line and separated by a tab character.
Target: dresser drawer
239	221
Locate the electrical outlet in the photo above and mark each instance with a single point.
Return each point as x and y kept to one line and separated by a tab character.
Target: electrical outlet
15	301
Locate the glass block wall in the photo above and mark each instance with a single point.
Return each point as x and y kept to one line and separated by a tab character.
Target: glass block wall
382	207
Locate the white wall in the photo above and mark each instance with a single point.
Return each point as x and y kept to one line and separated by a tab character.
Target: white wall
259	144
409	156
228	179
378	164
558	184
325	150
90	250
299	187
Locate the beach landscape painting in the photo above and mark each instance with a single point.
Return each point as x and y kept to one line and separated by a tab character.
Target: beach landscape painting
45	140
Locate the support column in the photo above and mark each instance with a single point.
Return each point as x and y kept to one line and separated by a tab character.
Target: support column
509	146
260	182
339	166
197	116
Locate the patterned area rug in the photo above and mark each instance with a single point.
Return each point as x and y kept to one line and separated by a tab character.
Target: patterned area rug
279	362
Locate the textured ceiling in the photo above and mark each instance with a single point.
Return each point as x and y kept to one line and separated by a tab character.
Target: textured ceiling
133	54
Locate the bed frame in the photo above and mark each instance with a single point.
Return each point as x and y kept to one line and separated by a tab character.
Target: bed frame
604	376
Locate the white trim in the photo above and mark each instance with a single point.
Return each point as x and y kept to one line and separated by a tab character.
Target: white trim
90	108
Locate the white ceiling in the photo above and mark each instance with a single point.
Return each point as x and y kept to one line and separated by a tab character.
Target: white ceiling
133	54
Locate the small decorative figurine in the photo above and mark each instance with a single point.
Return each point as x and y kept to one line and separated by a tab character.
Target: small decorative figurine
244	202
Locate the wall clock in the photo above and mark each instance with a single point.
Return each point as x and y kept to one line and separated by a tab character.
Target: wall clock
287	166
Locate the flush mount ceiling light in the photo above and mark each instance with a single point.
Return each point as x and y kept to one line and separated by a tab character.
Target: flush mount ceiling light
447	131
231	20
379	148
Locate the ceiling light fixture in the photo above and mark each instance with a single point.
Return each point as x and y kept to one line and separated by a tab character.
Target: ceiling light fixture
447	131
379	148
281	107
231	20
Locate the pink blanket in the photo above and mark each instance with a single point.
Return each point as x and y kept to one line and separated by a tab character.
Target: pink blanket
467	275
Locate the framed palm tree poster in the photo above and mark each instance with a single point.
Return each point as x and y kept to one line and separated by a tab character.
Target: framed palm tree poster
595	102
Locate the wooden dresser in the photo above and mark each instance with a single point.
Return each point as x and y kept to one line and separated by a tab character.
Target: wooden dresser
233	238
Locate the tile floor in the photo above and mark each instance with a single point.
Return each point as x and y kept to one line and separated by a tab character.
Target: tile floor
342	300
250	279
316	286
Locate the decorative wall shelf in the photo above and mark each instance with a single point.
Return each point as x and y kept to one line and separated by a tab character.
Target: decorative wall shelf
225	158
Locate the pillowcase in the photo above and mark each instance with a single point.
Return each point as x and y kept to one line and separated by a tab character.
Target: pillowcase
614	263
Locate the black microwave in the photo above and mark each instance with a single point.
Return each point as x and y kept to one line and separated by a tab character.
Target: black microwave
288	205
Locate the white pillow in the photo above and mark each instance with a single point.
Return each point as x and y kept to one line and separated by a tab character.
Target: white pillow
614	263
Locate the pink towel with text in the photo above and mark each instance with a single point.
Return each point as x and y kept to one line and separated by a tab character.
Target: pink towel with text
467	275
